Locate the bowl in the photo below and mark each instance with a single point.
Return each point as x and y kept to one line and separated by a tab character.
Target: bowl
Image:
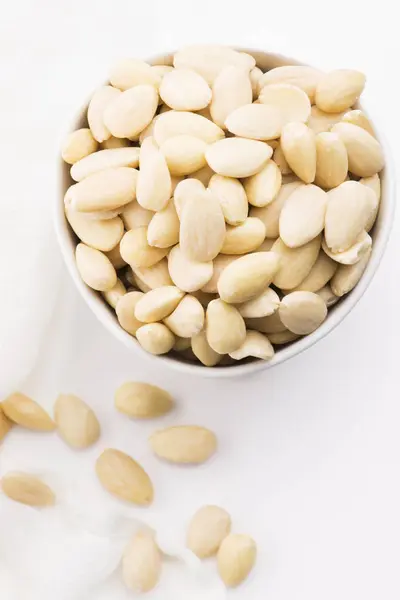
380	234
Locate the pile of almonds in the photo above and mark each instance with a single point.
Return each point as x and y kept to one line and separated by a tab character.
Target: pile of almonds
222	210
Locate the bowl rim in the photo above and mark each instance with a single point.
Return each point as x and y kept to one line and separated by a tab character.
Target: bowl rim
336	316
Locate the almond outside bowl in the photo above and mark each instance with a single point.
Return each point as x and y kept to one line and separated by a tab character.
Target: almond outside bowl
380	234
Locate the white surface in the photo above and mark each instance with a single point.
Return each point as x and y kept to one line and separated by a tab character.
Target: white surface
309	452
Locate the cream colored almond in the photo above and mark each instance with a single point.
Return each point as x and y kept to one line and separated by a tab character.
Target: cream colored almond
105	159
184	154
183	345
184	89
364	152
339	90
203	351
327	295
152	277
78	144
99	234
255	121
103	215
27	413
115	258
76	422
299	148
262	305
332	162
105	190
174	122
209	60
124	478
353	254
265	246
281	162
305	78
302	312
189	275
130	72
125	310
323	270
184	444
131	111
282	337
5	424
112	296
187	319
135	216
185	190
269	325
303	215
238	157
114	142
27	489
231	89
207	529
357	117
231	196
255	79
142	400
244	238
349	209
158	304
220	263
154	187
162	70
141	563
256	345
292	101
236	558
95	268
137	252
320	121
247	277
225	327
270	213
203	175
175	179
296	263
202	228
374	183
347	276
155	338
261	189
163	230
97	105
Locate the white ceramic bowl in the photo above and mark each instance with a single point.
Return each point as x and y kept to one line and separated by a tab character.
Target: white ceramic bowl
380	235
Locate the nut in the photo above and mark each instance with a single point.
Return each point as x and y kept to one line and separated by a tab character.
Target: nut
292	101
306	78
175	122
247	276
256	122
157	304
79	143
263	188
125	311
208	528
105	159
95	268
187	319
142	400
184	444
256	344
154	185
136	251
129	113
5	425
238	157
184	154
124	478
184	89
231	89
236	558
295	263
302	312
339	90
76	422
141	563
27	413
299	148
155	338
27	489
97	105
225	327
303	215
232	198
244	238
364	152
203	351
189	275
105	190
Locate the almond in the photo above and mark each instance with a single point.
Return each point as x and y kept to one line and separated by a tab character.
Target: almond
347	276
339	90
208	528
292	101
269	325
97	105
232	198
115	258
374	183
155	338
323	270
158	304
231	89
112	296
203	351
364	152
163	229
27	413
320	121
244	238
124	478
302	312
184	444
332	162
105	190
175	122
255	345
152	277
210	60
76	422
134	215
303	215
189	275
281	162
261	189
247	276
137	252
154	187
184	154
105	159
102	235
114	142
185	190
125	310
236	558
5	425
255	121
27	489
95	268
131	111
270	213
357	117
327	295
187	319
262	305
299	148
184	89
141	563
220	263
238	157
130	72
255	78
142	400
225	327
203	175
295	263
79	143
353	254
305	78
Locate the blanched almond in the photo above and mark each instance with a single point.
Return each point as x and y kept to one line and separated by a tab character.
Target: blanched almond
5	425
261	189
187	319
97	105
175	122
247	276
256	345
374	183
364	152
125	311
292	101
357	117
236	558
95	268
105	159
332	162
231	196
154	186
302	312
255	121
76	422
184	154
185	190
158	304
299	147
303	215
135	216
27	489
231	89
225	327
112	296
327	295
162	70
124	478
130	72
137	252
353	254
281	162
131	111
202	228
155	338
163	229
184	444
270	213
238	157
114	142
99	234
203	351
27	413
77	145
152	277
347	276
269	325
105	190
305	78
320	121
296	263
349	209
141	563
261	306
142	400
339	90
184	89
255	78
189	275
265	246
208	527
183	345
203	175
323	270
244	238
282	337
220	263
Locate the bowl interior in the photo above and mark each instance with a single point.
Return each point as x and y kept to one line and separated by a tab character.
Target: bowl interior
380	233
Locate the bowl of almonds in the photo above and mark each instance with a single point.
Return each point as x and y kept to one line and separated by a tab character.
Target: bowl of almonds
223	207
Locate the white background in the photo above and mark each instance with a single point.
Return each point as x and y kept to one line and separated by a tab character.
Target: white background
309	451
